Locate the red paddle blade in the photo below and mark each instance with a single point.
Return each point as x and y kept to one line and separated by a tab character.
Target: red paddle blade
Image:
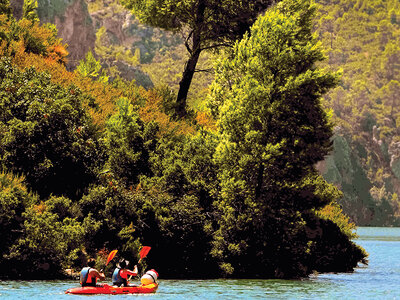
111	256
144	252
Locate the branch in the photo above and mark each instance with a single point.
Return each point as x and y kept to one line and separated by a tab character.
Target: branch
187	42
205	70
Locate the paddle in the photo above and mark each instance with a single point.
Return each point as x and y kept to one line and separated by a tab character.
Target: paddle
111	256
143	253
145	250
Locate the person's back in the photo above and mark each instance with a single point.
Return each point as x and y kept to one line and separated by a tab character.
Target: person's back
120	274
89	274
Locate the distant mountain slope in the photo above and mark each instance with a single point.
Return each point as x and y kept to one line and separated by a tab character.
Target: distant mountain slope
362	38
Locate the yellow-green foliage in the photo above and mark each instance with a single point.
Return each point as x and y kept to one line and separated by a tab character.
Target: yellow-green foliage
9	181
361	38
334	212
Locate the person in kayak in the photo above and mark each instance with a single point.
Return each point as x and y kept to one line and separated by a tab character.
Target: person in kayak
121	273
89	274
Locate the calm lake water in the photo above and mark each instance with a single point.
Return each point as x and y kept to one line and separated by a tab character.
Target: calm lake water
379	280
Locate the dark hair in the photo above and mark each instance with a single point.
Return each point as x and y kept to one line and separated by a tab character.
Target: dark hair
122	263
91	262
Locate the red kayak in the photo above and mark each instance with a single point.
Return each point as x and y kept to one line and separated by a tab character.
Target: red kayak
109	289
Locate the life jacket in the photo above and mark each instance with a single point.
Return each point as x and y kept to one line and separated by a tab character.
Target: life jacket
84	277
117	279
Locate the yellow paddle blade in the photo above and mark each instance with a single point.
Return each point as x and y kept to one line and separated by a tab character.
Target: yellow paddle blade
111	256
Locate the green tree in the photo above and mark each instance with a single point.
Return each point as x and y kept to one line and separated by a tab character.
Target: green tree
267	98
390	98
47	135
90	67
46	244
14	198
129	142
205	24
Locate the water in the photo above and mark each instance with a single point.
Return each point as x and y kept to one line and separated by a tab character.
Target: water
379	280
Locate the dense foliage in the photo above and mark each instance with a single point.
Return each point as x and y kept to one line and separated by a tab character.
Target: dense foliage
46	134
204	24
101	165
273	131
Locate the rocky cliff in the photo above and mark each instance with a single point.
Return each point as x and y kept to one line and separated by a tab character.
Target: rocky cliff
73	22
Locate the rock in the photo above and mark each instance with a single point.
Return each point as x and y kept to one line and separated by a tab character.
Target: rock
73	23
77	30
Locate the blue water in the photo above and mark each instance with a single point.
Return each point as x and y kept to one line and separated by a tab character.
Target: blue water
379	280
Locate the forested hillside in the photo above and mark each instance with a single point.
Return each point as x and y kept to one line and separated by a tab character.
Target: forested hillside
363	39
91	162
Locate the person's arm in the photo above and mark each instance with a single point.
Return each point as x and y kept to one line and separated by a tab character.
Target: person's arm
129	272
97	274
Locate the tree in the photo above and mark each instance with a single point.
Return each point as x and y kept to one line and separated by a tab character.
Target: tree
46	244
267	98
46	133
14	198
90	67
205	24
390	96
129	142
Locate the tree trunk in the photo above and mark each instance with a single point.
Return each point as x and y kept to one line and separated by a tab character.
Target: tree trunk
190	67
184	85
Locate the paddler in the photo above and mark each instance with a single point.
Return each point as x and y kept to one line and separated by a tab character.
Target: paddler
121	273
89	274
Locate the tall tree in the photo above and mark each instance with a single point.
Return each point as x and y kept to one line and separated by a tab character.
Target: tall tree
205	24
273	131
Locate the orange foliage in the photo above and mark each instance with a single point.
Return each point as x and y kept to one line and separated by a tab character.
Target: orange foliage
58	53
205	120
47	42
52	58
104	95
40	208
151	112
